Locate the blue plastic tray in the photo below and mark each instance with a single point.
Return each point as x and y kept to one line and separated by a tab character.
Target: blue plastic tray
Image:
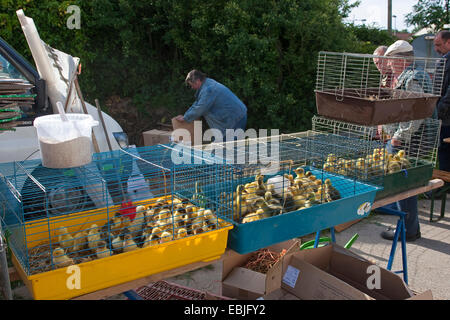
356	202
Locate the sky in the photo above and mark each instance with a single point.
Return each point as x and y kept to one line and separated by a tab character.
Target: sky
375	13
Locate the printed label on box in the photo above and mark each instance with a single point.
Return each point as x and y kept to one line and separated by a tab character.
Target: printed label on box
291	276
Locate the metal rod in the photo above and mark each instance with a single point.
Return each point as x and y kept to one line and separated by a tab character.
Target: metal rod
100	115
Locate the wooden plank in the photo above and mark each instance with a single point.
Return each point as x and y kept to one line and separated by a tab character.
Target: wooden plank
432	184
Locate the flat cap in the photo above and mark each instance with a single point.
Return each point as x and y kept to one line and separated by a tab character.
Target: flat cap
399	46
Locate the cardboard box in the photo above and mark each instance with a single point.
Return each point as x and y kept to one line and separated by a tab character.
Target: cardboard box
244	284
335	273
153	137
194	131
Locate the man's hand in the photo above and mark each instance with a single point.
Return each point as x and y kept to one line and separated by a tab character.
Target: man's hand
179	118
395	142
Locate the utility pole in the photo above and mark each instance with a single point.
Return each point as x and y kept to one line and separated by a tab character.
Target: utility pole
389	15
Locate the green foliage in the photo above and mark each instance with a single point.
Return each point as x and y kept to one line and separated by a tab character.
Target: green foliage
264	51
429	12
368	38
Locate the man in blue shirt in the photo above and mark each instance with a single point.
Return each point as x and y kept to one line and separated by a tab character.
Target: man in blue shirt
220	107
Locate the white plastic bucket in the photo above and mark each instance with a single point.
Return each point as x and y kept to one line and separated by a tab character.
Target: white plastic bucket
65	144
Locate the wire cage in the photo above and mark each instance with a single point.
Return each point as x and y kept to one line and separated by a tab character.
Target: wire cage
281	189
123	201
407	164
370	90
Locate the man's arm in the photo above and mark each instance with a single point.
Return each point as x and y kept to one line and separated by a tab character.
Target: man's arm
203	103
443	104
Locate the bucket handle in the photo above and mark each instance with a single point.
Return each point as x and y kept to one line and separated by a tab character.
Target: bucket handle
61	111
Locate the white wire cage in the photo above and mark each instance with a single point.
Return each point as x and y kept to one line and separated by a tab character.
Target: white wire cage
370	90
407	164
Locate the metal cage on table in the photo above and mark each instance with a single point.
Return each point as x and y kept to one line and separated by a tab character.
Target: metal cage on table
122	201
281	190
362	89
406	165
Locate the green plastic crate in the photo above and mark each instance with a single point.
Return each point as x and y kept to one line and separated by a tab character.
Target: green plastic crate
403	180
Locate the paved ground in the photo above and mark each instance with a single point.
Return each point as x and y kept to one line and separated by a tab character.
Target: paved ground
428	257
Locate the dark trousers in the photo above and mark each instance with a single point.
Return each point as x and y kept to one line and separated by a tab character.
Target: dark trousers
444	149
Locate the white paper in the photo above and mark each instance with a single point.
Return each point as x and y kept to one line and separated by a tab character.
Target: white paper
291	275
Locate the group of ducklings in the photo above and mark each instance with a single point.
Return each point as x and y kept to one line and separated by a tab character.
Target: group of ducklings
258	199
380	162
153	224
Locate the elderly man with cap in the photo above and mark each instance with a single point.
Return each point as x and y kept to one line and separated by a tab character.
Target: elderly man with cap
382	66
220	107
409	76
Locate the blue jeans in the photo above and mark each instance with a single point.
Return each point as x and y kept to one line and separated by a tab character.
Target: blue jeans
408	206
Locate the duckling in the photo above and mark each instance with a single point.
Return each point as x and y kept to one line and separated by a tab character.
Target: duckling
394	165
80	240
300	173
115	225
251	217
153	238
102	251
268	196
60	259
316	185
241	207
331	158
320	194
273	204
129	244
181	233
349	168
290	178
403	160
117	244
340	168
328	167
311	200
65	239
166	236
93	236
261	187
331	193
288	201
263	209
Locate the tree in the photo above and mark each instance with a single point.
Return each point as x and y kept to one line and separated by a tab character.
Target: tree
427	13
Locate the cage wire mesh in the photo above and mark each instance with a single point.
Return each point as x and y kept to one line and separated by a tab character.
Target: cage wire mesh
281	174
371	90
358	75
121	201
417	142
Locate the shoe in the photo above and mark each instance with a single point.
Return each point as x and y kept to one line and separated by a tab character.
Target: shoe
389	233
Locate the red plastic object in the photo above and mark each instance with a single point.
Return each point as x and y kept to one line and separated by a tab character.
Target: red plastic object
127	209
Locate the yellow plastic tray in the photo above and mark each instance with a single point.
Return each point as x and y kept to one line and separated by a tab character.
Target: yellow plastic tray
102	273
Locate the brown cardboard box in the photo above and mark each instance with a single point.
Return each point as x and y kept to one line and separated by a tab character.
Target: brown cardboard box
191	127
245	284
334	273
153	137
